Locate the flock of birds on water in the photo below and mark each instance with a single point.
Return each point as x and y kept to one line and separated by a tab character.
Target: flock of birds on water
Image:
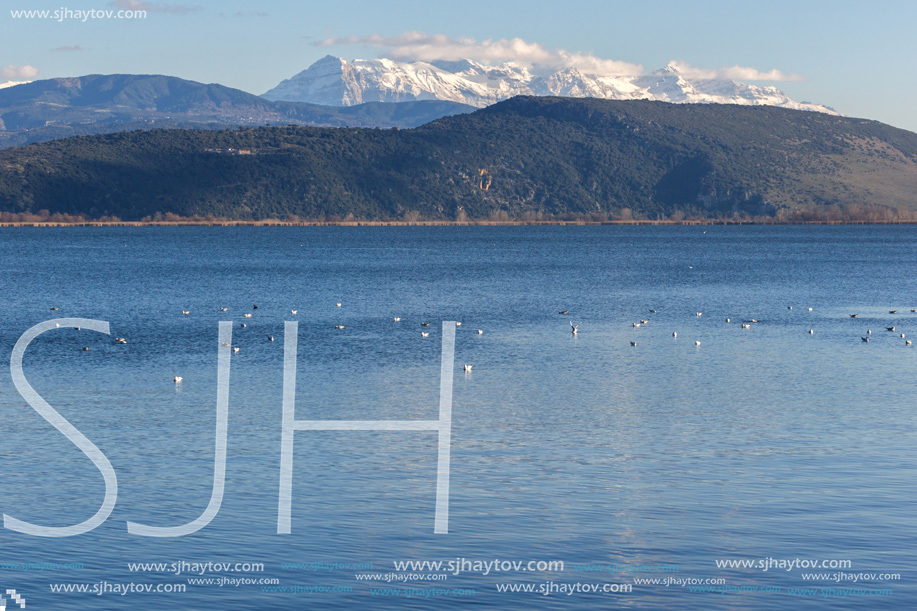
270	338
574	329
747	325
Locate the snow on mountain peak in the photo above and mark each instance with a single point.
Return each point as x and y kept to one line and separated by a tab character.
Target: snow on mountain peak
334	81
13	84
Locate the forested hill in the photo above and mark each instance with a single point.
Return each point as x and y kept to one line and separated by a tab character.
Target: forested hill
526	158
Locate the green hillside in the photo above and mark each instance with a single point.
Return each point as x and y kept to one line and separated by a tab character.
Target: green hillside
526	158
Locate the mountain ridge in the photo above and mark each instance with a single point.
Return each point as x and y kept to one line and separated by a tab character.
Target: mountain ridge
336	81
61	107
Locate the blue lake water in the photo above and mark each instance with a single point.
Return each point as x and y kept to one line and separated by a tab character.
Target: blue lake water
767	442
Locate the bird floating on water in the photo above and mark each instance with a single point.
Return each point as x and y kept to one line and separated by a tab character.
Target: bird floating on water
120	340
754	320
480	332
223	309
865	339
810	309
244	325
576	328
458	323
699	314
468	368
889	328
674	333
235	348
563	311
652	311
907	342
52	309
397	319
746	326
854	315
633	343
697	342
868	331
893	311
338	326
85	348
424	334
186	312
270	337
811	331
424	324
177	379
225	344
636	324
338	304
293	311
727	320
789	307
248	315
644	322
902	335
254	307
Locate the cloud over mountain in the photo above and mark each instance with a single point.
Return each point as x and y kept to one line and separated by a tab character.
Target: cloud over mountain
414	46
419	46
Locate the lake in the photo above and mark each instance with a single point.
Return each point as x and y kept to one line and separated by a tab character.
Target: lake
666	460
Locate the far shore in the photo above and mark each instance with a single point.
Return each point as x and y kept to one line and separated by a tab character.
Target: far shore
277	223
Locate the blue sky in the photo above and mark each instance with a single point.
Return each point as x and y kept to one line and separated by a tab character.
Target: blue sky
856	58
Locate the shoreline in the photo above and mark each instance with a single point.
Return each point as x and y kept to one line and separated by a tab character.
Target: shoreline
275	223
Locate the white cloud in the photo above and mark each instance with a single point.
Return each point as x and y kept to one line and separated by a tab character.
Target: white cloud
18	72
738	73
152	7
419	46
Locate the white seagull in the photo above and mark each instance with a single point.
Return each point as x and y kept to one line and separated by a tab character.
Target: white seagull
177	379
468	368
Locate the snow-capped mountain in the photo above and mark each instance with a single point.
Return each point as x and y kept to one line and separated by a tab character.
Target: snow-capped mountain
334	81
13	84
